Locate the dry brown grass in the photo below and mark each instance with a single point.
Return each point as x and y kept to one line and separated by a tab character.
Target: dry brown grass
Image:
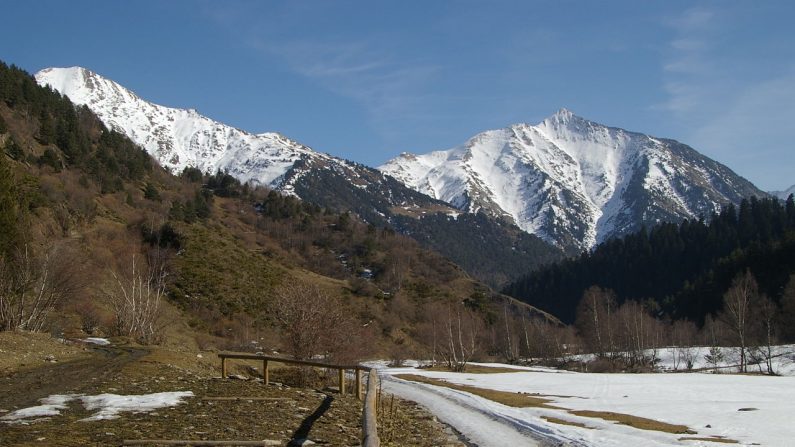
635	421
510	399
559	421
477	369
710	439
20	350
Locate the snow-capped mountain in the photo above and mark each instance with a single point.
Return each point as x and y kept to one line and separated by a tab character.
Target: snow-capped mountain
574	182
783	195
178	138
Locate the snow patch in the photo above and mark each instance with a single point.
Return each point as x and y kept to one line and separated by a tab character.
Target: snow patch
107	406
50	406
110	405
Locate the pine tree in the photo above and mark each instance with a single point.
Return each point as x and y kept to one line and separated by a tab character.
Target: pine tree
13	149
151	192
787	316
10	231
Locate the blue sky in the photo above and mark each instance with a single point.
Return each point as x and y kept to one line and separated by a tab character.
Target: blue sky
366	80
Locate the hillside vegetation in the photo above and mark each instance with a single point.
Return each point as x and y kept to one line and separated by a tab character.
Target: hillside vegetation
685	268
81	201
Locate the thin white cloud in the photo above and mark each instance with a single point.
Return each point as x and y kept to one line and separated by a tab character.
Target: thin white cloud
744	122
365	71
386	89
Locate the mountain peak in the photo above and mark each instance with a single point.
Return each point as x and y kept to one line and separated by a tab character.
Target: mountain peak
574	182
564	114
65	78
564	118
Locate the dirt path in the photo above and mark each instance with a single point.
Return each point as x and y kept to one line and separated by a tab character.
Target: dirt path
24	388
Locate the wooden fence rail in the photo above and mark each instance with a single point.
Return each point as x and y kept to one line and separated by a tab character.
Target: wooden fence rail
266	359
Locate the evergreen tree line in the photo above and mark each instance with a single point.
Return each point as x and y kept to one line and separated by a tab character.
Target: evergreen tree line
72	136
685	269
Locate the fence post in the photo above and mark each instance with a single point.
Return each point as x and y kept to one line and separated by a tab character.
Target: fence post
223	367
369	422
266	374
342	381
358	383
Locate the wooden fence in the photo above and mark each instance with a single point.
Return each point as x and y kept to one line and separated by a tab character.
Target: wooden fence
369	420
266	359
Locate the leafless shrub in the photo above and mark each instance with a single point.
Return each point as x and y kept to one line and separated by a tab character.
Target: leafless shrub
312	323
90	316
683	335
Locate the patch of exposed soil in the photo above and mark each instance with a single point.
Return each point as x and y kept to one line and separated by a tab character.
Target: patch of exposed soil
25	350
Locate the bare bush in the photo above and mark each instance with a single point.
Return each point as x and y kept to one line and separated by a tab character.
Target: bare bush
683	334
90	316
551	343
312	323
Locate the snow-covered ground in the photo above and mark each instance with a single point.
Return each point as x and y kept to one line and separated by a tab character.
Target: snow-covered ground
709	404
107	406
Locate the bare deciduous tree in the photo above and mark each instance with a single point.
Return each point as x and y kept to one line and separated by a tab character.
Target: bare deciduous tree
637	332
31	287
135	300
765	312
736	313
594	320
459	329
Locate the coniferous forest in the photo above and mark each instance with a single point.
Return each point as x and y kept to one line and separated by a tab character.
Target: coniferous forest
684	268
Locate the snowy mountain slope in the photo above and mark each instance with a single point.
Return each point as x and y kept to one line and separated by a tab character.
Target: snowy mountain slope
178	138
783	195
573	182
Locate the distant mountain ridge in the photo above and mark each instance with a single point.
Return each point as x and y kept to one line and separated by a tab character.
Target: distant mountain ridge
574	182
783	195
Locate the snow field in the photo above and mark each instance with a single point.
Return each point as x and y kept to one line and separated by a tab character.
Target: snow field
749	409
